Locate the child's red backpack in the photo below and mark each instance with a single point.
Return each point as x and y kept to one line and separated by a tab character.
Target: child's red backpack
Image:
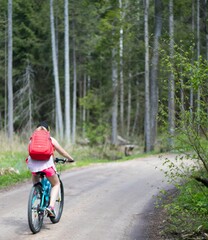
40	146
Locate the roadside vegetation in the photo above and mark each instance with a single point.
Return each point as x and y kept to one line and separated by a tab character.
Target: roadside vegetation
13	168
187	213
186	208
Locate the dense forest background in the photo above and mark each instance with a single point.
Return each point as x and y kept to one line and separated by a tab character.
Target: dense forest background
102	69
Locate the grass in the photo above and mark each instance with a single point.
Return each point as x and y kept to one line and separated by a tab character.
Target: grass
186	214
14	156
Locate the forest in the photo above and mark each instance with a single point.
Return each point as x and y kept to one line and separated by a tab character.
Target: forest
100	70
104	73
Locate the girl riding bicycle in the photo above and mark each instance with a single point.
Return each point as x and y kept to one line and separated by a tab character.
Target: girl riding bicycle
47	166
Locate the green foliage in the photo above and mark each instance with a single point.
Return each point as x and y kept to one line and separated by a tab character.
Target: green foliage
11	179
96	129
187	214
15	160
190	76
189	210
27	32
96	133
92	102
83	154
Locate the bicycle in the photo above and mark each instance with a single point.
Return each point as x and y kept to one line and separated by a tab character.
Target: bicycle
39	199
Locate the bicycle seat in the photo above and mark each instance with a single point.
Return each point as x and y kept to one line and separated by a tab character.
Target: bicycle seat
41	174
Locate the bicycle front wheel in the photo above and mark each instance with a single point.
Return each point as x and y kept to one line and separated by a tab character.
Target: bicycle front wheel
58	208
35	214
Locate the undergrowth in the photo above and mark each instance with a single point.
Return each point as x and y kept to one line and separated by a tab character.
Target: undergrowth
186	215
13	168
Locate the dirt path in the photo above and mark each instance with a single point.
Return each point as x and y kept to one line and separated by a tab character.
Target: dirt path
102	202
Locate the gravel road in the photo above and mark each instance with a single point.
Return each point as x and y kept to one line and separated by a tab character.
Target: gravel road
102	202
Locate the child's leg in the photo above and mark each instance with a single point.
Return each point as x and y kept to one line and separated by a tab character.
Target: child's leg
55	183
35	178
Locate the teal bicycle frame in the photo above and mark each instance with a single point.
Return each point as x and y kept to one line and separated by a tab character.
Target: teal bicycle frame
39	200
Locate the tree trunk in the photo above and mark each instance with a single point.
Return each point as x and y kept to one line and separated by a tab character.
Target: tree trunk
115	97
74	123
171	83
198	56
129	106
136	117
6	80
121	71
147	83
84	110
10	85
206	32
88	88
28	76
191	90
56	77
154	72
67	74
205	23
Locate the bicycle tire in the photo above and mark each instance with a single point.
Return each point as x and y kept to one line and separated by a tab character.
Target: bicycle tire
58	208
35	215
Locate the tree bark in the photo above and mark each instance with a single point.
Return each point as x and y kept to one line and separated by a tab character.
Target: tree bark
84	110
191	90
136	117
56	77
121	70
129	106
154	72
171	82
147	81
198	56
67	74
115	97
74	123
28	76
10	84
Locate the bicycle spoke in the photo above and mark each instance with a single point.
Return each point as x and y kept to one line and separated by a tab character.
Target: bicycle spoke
35	214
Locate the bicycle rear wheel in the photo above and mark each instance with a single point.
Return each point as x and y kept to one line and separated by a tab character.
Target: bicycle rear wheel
35	214
58	208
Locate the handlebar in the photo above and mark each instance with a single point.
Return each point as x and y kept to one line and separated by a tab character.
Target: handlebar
61	160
